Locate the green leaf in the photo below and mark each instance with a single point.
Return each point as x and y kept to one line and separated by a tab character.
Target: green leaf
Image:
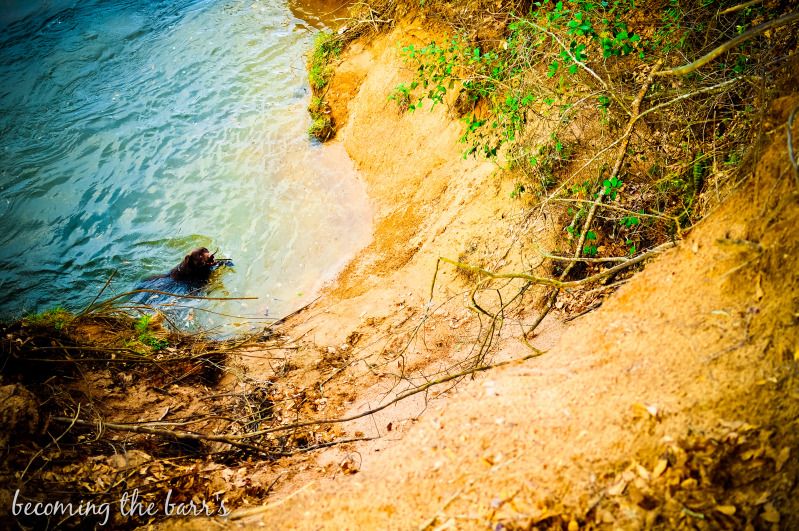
553	69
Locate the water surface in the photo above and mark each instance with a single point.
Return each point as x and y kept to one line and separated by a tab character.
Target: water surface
132	132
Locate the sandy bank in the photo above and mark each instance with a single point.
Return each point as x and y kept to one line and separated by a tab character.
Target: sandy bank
693	346
664	396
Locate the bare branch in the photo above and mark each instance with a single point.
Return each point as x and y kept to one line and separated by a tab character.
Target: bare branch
622	152
729	45
560	284
734	9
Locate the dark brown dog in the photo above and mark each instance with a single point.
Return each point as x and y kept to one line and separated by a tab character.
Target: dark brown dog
195	267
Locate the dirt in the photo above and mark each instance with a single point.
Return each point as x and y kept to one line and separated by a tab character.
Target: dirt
672	405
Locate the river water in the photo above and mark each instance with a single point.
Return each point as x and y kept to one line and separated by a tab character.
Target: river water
134	131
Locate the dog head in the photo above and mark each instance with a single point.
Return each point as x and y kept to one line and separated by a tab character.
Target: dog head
198	265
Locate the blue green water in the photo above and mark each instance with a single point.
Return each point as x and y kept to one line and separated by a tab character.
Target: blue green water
132	132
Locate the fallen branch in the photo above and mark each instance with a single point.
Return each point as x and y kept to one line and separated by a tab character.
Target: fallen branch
402	396
622	209
107	302
176	434
622	152
734	9
193	436
712	88
560	284
729	45
587	260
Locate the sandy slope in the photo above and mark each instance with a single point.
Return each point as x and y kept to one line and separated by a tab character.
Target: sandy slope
701	344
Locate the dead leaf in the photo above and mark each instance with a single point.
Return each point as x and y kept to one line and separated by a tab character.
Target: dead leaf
771	514
763	498
729	510
349	466
783	456
617	489
688	484
660	467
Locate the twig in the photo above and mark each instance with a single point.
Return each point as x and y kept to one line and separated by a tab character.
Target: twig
734	9
702	61
791	154
324	445
272	485
292	314
560	284
105	286
622	152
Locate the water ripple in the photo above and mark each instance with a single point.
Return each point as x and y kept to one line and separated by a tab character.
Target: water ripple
133	131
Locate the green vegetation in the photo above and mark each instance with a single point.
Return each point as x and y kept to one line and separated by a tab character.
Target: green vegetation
56	318
564	79
145	335
590	248
322	128
504	75
327	46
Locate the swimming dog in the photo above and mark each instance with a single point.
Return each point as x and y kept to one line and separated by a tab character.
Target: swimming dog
196	267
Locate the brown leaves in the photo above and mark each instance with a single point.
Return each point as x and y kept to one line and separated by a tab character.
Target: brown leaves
739	478
770	514
705	482
351	464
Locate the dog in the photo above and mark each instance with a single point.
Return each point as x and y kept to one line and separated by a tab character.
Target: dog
196	267
190	277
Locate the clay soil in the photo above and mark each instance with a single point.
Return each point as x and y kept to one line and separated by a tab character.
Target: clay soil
672	405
